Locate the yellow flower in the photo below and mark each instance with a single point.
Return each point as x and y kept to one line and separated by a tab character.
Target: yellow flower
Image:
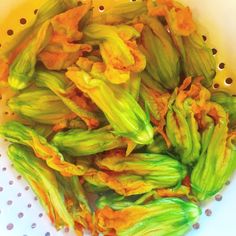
118	49
18	133
137	173
121	109
170	216
61	52
181	21
43	182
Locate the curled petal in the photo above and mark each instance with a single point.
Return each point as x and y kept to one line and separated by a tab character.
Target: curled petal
18	133
62	51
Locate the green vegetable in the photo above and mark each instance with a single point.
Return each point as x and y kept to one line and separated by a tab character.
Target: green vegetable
40	105
162	217
179	134
18	133
163	62
120	108
217	161
118	49
64	88
197	58
78	205
43	182
135	174
77	142
195	135
23	68
229	103
45	12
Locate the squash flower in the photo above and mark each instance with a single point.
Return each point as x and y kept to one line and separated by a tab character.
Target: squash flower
77	142
18	133
22	69
42	106
121	109
182	124
229	103
135	174
156	101
197	58
163	62
217	160
66	91
61	50
43	182
77	204
118	49
168	216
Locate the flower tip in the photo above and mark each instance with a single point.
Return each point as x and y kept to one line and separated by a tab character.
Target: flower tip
145	136
18	81
182	21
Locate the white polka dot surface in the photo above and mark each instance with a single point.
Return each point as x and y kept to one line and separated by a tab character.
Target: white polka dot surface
20	211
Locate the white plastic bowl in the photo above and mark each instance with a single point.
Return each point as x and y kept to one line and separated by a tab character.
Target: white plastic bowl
21	213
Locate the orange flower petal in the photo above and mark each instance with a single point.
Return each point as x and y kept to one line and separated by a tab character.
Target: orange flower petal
181	21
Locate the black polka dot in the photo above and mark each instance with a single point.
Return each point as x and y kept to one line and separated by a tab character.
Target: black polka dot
216	85
23	21
229	81
214	51
101	8
204	37
10	32
222	65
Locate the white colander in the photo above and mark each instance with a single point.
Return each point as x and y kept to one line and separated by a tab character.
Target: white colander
21	213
